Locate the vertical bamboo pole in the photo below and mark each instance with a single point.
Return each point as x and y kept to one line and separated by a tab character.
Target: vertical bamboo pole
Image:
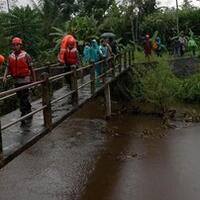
92	78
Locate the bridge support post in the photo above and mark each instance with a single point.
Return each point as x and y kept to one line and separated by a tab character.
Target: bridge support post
74	87
113	66
92	78
1	144
107	100
46	101
104	69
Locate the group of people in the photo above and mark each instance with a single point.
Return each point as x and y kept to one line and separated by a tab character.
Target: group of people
20	65
152	45
94	52
181	43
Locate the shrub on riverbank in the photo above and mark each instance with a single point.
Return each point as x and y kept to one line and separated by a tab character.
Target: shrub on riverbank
160	86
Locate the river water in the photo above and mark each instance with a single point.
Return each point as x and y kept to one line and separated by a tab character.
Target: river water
143	161
131	156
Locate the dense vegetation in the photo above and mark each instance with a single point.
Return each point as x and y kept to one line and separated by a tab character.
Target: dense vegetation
42	27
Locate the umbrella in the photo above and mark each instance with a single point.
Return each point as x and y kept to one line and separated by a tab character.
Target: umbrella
108	35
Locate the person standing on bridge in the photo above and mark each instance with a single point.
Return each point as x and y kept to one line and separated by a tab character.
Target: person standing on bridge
71	59
20	67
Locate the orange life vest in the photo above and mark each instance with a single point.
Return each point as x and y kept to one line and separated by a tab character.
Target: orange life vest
71	57
63	47
18	65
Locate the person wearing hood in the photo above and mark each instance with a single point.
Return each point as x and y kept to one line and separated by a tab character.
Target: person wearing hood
86	53
192	45
95	56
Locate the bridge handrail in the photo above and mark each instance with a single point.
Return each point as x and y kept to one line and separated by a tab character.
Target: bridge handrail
14	90
118	61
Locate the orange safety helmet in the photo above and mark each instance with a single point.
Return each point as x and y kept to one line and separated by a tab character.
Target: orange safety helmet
16	40
2	59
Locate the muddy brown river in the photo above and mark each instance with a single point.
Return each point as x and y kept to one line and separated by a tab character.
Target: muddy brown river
130	157
144	161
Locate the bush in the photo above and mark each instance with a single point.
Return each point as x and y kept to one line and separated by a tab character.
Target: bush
189	90
160	86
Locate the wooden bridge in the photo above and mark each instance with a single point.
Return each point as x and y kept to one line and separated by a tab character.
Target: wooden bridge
52	106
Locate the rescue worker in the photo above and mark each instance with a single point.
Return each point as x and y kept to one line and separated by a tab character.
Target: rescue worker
20	67
71	59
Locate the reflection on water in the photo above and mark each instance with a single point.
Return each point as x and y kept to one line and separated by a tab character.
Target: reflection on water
163	164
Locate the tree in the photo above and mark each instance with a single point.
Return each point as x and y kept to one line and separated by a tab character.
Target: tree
187	4
83	28
96	8
25	23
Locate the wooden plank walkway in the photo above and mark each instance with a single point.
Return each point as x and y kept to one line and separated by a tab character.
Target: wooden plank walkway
16	138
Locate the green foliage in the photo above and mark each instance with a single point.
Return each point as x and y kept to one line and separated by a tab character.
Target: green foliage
83	28
189	90
160	86
96	8
24	23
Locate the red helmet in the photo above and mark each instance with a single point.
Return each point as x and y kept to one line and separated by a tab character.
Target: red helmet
16	40
1	59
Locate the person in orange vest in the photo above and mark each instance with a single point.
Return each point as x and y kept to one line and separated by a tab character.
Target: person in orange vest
71	59
63	46
20	67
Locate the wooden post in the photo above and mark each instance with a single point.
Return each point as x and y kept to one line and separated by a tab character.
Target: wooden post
46	100
107	100
113	65
92	78
74	80
104	69
1	144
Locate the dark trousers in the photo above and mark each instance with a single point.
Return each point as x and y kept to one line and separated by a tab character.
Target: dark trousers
68	80
24	102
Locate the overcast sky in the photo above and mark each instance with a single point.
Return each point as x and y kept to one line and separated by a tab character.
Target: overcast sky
162	2
173	2
168	3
